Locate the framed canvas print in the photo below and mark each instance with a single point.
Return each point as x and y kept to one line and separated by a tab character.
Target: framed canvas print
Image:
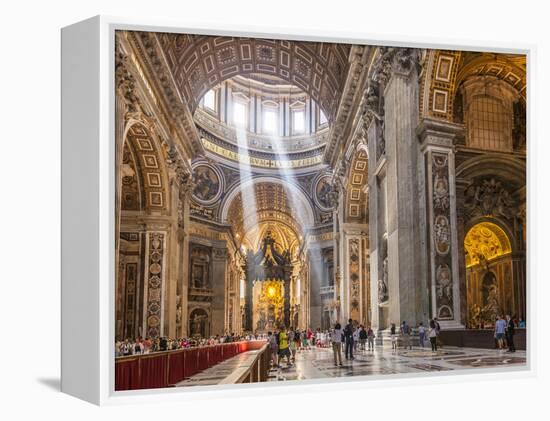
249	210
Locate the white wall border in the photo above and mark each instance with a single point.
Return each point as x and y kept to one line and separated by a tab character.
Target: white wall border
88	212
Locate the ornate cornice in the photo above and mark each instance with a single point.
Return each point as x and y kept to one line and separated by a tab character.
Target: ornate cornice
350	101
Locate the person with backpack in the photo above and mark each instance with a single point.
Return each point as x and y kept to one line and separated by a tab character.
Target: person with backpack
432	333
393	337
274	347
370	339
421	334
348	336
337	344
406	335
438	333
362	337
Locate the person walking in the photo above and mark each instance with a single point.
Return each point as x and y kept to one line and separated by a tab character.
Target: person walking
432	333
337	344
370	339
510	330
421	334
356	338
406	335
348	334
500	330
363	337
291	344
393	337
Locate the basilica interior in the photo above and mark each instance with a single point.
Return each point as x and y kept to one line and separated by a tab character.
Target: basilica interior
265	183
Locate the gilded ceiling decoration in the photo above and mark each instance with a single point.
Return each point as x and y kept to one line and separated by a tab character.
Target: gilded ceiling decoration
198	63
355	192
446	70
266	206
484	242
151	164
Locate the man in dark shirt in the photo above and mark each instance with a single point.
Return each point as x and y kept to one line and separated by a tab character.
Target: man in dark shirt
348	336
510	327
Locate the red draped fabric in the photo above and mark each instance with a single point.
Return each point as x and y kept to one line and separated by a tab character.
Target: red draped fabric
168	368
191	366
154	371
203	359
127	374
176	367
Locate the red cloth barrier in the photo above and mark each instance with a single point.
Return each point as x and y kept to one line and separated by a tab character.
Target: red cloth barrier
176	367
202	360
191	366
127	374
154	371
168	368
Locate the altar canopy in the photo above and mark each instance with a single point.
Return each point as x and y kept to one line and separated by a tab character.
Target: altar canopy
267	298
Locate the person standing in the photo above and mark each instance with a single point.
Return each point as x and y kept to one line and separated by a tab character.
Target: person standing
284	351
363	337
438	333
406	335
500	330
370	339
348	334
393	337
510	330
337	344
432	333
421	334
272	339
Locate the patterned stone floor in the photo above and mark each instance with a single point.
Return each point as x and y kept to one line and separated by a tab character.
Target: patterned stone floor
319	363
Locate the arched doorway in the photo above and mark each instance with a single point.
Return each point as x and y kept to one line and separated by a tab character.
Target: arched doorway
490	289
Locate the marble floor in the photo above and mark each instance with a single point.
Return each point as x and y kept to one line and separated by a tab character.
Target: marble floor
319	363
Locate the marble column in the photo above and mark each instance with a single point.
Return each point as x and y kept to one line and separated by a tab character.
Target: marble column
154	283
315	282
402	203
436	139
182	266
217	313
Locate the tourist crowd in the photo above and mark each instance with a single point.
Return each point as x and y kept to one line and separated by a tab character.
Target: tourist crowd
285	343
146	345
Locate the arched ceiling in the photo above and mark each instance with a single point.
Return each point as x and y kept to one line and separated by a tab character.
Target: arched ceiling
264	206
150	161
446	70
198	63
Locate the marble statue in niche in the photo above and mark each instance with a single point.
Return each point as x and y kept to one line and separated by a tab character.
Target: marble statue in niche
198	321
206	183
383	282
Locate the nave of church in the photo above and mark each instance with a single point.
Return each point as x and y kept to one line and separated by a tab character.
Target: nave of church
270	186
